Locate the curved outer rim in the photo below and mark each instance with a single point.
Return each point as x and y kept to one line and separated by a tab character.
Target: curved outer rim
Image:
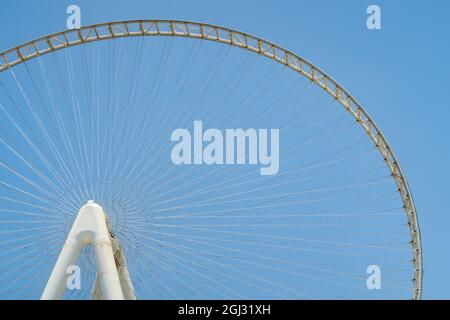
130	28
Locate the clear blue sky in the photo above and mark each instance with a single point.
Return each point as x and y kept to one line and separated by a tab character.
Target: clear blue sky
399	73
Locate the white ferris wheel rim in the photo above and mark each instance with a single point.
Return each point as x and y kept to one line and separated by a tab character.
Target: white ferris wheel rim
178	28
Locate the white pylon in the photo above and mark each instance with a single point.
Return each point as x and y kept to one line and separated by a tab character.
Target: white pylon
90	227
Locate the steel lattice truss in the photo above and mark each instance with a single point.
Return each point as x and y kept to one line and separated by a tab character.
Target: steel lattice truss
173	28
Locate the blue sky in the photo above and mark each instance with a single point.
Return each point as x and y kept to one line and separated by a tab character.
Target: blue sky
399	73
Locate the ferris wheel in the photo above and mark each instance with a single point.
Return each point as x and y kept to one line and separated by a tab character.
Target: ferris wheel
91	120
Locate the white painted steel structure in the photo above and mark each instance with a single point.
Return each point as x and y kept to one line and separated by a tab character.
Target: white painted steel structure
172	28
90	228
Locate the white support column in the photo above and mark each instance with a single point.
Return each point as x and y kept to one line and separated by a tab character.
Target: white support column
124	275
89	228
